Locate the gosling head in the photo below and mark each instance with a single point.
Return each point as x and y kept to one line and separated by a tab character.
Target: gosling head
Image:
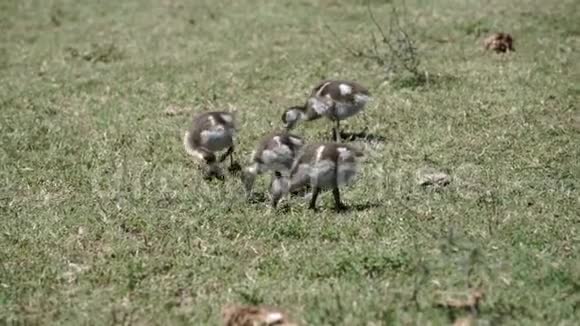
212	168
292	116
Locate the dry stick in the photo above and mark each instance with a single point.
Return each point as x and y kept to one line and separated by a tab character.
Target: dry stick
421	275
472	261
349	49
355	53
373	19
406	37
408	44
376	50
378	26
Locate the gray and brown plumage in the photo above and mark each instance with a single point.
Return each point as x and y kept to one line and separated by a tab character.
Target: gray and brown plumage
324	166
334	99
274	153
210	133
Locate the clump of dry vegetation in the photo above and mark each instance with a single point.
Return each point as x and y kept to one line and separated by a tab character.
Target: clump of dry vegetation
172	110
392	48
239	315
499	42
432	177
468	302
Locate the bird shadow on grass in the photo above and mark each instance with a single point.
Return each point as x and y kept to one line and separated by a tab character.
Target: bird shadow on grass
258	198
360	207
362	135
350	207
287	206
262	199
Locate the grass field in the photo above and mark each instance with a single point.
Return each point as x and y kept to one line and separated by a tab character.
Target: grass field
106	220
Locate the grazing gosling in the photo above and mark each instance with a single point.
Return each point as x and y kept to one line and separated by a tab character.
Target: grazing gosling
275	152
322	166
211	132
335	99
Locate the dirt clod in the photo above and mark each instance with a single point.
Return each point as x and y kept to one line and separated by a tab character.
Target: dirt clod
499	42
239	315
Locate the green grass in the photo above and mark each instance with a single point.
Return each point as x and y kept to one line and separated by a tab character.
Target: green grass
105	220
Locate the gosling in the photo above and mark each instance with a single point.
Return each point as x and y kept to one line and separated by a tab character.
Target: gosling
336	100
321	166
275	152
210	133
